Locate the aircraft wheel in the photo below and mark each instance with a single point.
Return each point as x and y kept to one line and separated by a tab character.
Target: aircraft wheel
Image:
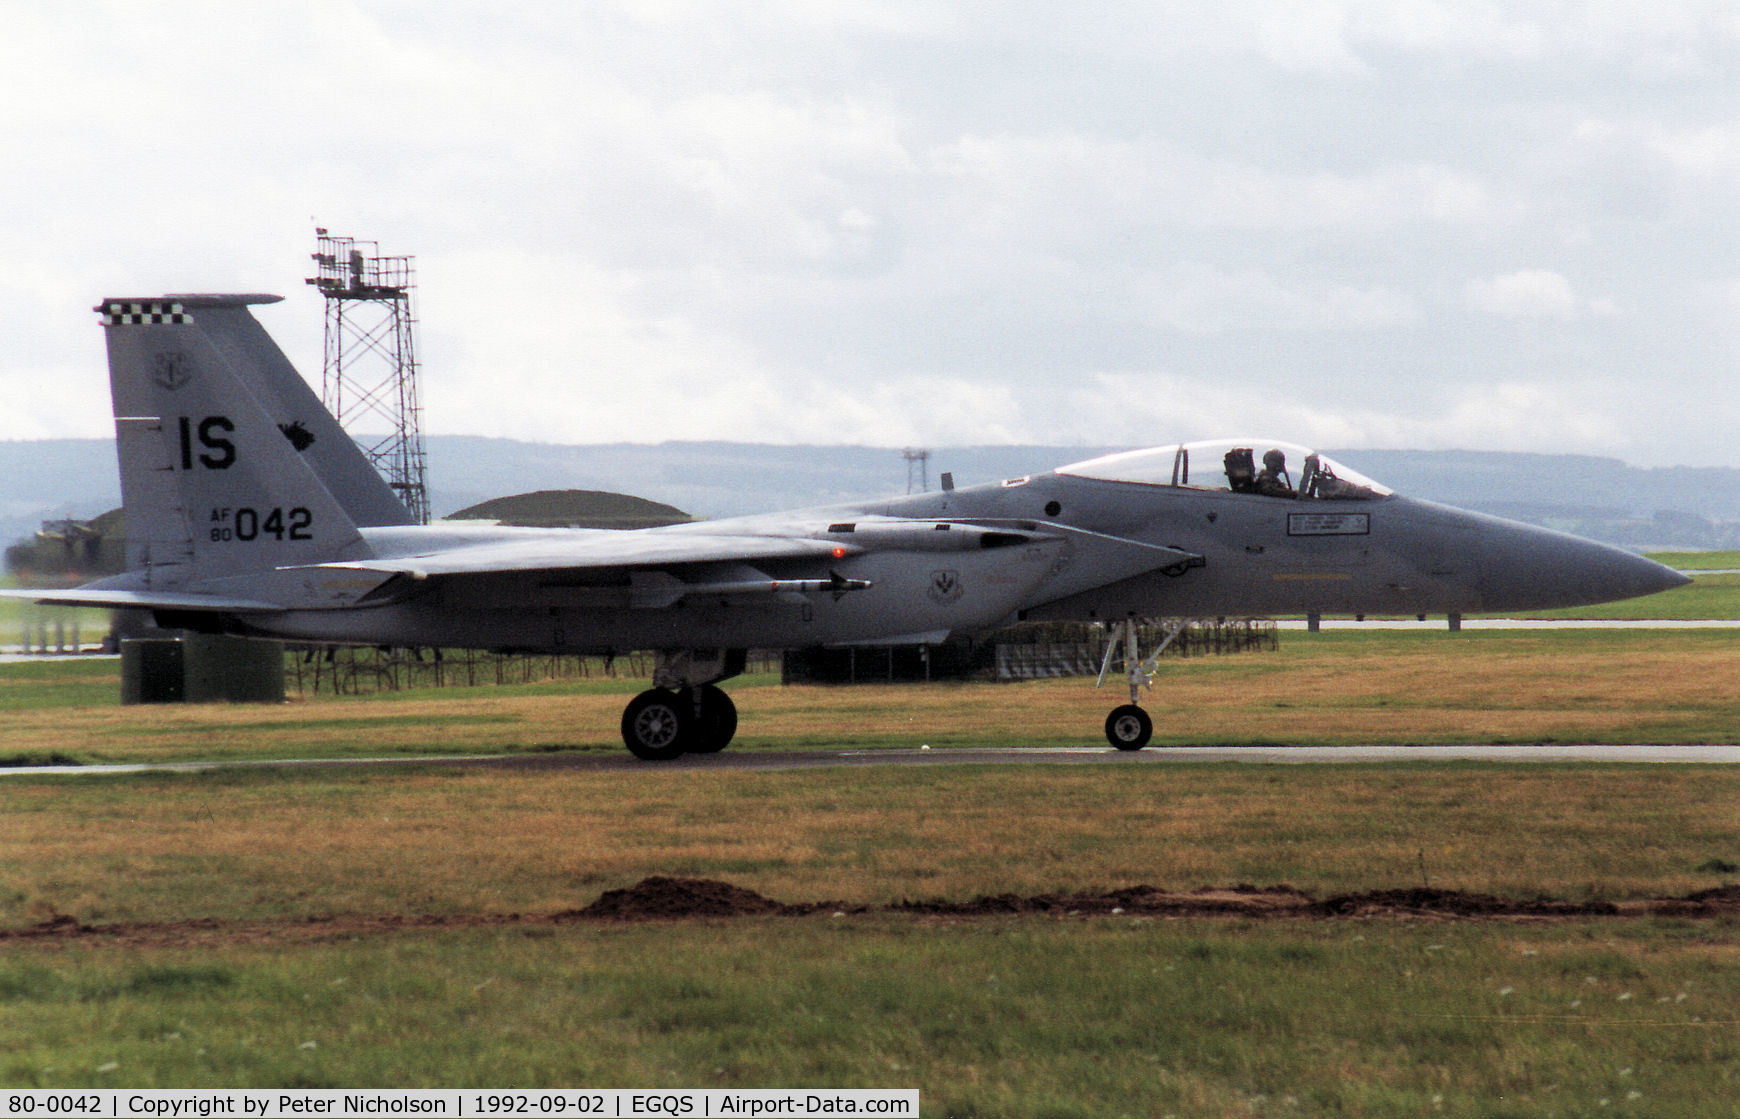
1129	727
715	720
657	725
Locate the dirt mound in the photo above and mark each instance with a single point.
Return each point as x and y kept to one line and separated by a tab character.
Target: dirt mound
1721	896
1458	903
664	898
60	925
1139	900
1716	902
661	898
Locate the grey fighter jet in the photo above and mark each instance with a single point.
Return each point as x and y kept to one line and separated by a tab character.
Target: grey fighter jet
249	512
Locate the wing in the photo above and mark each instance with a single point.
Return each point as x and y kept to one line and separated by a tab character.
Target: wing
655	549
657	568
575	551
643	569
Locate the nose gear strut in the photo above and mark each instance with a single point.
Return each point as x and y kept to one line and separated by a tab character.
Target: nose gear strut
1129	727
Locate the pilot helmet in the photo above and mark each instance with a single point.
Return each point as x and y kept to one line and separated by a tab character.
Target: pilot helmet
1274	461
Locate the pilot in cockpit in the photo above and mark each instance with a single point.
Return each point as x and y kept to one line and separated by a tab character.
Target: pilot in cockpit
1272	479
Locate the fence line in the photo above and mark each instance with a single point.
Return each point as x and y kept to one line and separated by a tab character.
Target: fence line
365	670
1071	650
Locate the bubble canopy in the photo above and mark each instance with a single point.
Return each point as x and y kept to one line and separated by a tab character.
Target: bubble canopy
1256	466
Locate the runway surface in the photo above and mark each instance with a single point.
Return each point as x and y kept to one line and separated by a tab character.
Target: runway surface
1059	755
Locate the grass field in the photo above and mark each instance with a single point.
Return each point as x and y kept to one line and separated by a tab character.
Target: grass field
286	927
1698	561
233	979
1003	1018
1714	595
1334	688
253	845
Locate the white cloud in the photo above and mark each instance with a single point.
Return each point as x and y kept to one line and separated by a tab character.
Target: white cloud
1530	294
1515	416
1156	408
1206	300
1699	151
564	356
1024	182
38	405
1432	27
1713	150
1308	35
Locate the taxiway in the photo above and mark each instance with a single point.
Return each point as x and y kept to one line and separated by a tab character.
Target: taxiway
1058	755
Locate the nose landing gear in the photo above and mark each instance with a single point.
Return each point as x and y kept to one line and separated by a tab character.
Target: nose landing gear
1129	727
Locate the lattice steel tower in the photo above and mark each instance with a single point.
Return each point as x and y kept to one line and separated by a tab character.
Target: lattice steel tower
370	376
917	468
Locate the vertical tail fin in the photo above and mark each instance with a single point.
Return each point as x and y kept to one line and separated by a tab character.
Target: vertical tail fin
264	369
211	483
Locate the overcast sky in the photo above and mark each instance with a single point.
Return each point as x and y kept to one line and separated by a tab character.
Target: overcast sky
1418	223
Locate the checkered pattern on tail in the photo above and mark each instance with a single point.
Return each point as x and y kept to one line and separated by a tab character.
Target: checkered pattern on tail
143	314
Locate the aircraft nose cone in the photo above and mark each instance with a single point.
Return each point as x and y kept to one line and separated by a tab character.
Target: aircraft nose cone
1537	569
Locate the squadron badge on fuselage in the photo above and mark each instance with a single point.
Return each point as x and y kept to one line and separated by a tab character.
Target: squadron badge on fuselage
946	587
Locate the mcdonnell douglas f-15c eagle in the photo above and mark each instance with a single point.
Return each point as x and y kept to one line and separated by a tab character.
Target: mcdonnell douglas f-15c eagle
250	512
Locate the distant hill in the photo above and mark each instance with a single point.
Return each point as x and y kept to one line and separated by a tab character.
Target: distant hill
1678	507
1602	498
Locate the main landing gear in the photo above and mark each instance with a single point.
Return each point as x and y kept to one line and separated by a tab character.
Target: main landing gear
1129	727
685	712
661	725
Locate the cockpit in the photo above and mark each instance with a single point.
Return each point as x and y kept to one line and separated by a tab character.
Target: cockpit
1253	466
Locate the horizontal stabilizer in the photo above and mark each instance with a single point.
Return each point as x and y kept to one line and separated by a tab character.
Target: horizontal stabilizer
145	600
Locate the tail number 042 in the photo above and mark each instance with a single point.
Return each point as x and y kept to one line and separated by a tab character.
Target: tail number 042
247	524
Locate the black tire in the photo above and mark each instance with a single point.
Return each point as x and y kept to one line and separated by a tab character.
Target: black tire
715	722
1129	727
658	725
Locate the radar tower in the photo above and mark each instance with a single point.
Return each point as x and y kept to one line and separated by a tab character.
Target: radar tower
917	469
370	373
